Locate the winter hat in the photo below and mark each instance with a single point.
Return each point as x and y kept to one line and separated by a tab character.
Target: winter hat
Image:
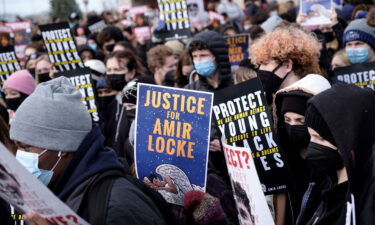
129	92
294	103
21	81
53	117
359	30
97	68
205	208
315	120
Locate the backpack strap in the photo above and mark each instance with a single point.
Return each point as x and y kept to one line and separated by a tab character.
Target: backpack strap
98	192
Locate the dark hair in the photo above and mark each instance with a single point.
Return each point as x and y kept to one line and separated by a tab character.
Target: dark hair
131	60
152	176
4	136
255	32
184	60
126	45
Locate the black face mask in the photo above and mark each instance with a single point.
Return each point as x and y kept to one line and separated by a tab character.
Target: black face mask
110	47
270	81
32	71
298	136
43	77
104	101
329	36
130	114
323	160
116	81
14	103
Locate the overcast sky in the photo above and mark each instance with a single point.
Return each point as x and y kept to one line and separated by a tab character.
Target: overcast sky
27	7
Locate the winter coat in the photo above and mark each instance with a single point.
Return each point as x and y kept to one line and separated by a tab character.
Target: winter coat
126	205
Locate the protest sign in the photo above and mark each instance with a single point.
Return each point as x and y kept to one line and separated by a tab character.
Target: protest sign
81	79
24	192
142	33
248	194
238	48
216	16
134	11
5	36
317	12
173	20
61	47
197	14
97	27
172	141
362	75
244	120
8	63
21	32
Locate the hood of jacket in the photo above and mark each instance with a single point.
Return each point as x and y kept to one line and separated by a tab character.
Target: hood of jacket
308	86
349	112
219	48
90	159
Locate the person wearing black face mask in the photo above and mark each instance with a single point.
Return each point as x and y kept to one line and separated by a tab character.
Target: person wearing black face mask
16	89
122	145
121	67
289	108
285	55
340	154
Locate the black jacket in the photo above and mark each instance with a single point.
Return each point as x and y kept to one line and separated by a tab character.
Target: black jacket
127	204
349	113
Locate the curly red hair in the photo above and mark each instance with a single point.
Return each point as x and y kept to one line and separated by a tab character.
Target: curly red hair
289	42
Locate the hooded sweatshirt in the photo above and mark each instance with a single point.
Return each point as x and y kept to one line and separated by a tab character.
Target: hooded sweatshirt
219	48
127	204
307	87
349	112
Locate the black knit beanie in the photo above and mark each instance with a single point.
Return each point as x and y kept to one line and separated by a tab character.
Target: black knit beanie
294	103
314	120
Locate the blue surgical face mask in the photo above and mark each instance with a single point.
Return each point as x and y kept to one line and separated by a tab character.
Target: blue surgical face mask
205	68
93	46
357	55
31	161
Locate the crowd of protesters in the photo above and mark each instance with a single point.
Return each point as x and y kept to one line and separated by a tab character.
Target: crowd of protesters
326	130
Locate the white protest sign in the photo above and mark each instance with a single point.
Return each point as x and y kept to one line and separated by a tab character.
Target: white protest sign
24	192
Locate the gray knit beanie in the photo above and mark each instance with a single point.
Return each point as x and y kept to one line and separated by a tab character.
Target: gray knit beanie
359	30
53	117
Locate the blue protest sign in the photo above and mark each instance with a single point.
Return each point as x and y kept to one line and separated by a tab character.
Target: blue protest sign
172	139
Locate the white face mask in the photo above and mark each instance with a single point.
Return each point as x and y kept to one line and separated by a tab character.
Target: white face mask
31	161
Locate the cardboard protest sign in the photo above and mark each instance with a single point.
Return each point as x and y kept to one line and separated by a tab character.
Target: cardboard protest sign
248	194
244	120
238	48
81	79
5	36
8	63
362	75
24	192
142	33
97	27
172	141
61	47
318	12
21	32
173	20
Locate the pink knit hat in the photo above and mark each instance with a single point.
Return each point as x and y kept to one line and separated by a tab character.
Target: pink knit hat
21	81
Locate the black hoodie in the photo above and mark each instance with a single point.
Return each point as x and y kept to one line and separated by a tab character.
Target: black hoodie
349	112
